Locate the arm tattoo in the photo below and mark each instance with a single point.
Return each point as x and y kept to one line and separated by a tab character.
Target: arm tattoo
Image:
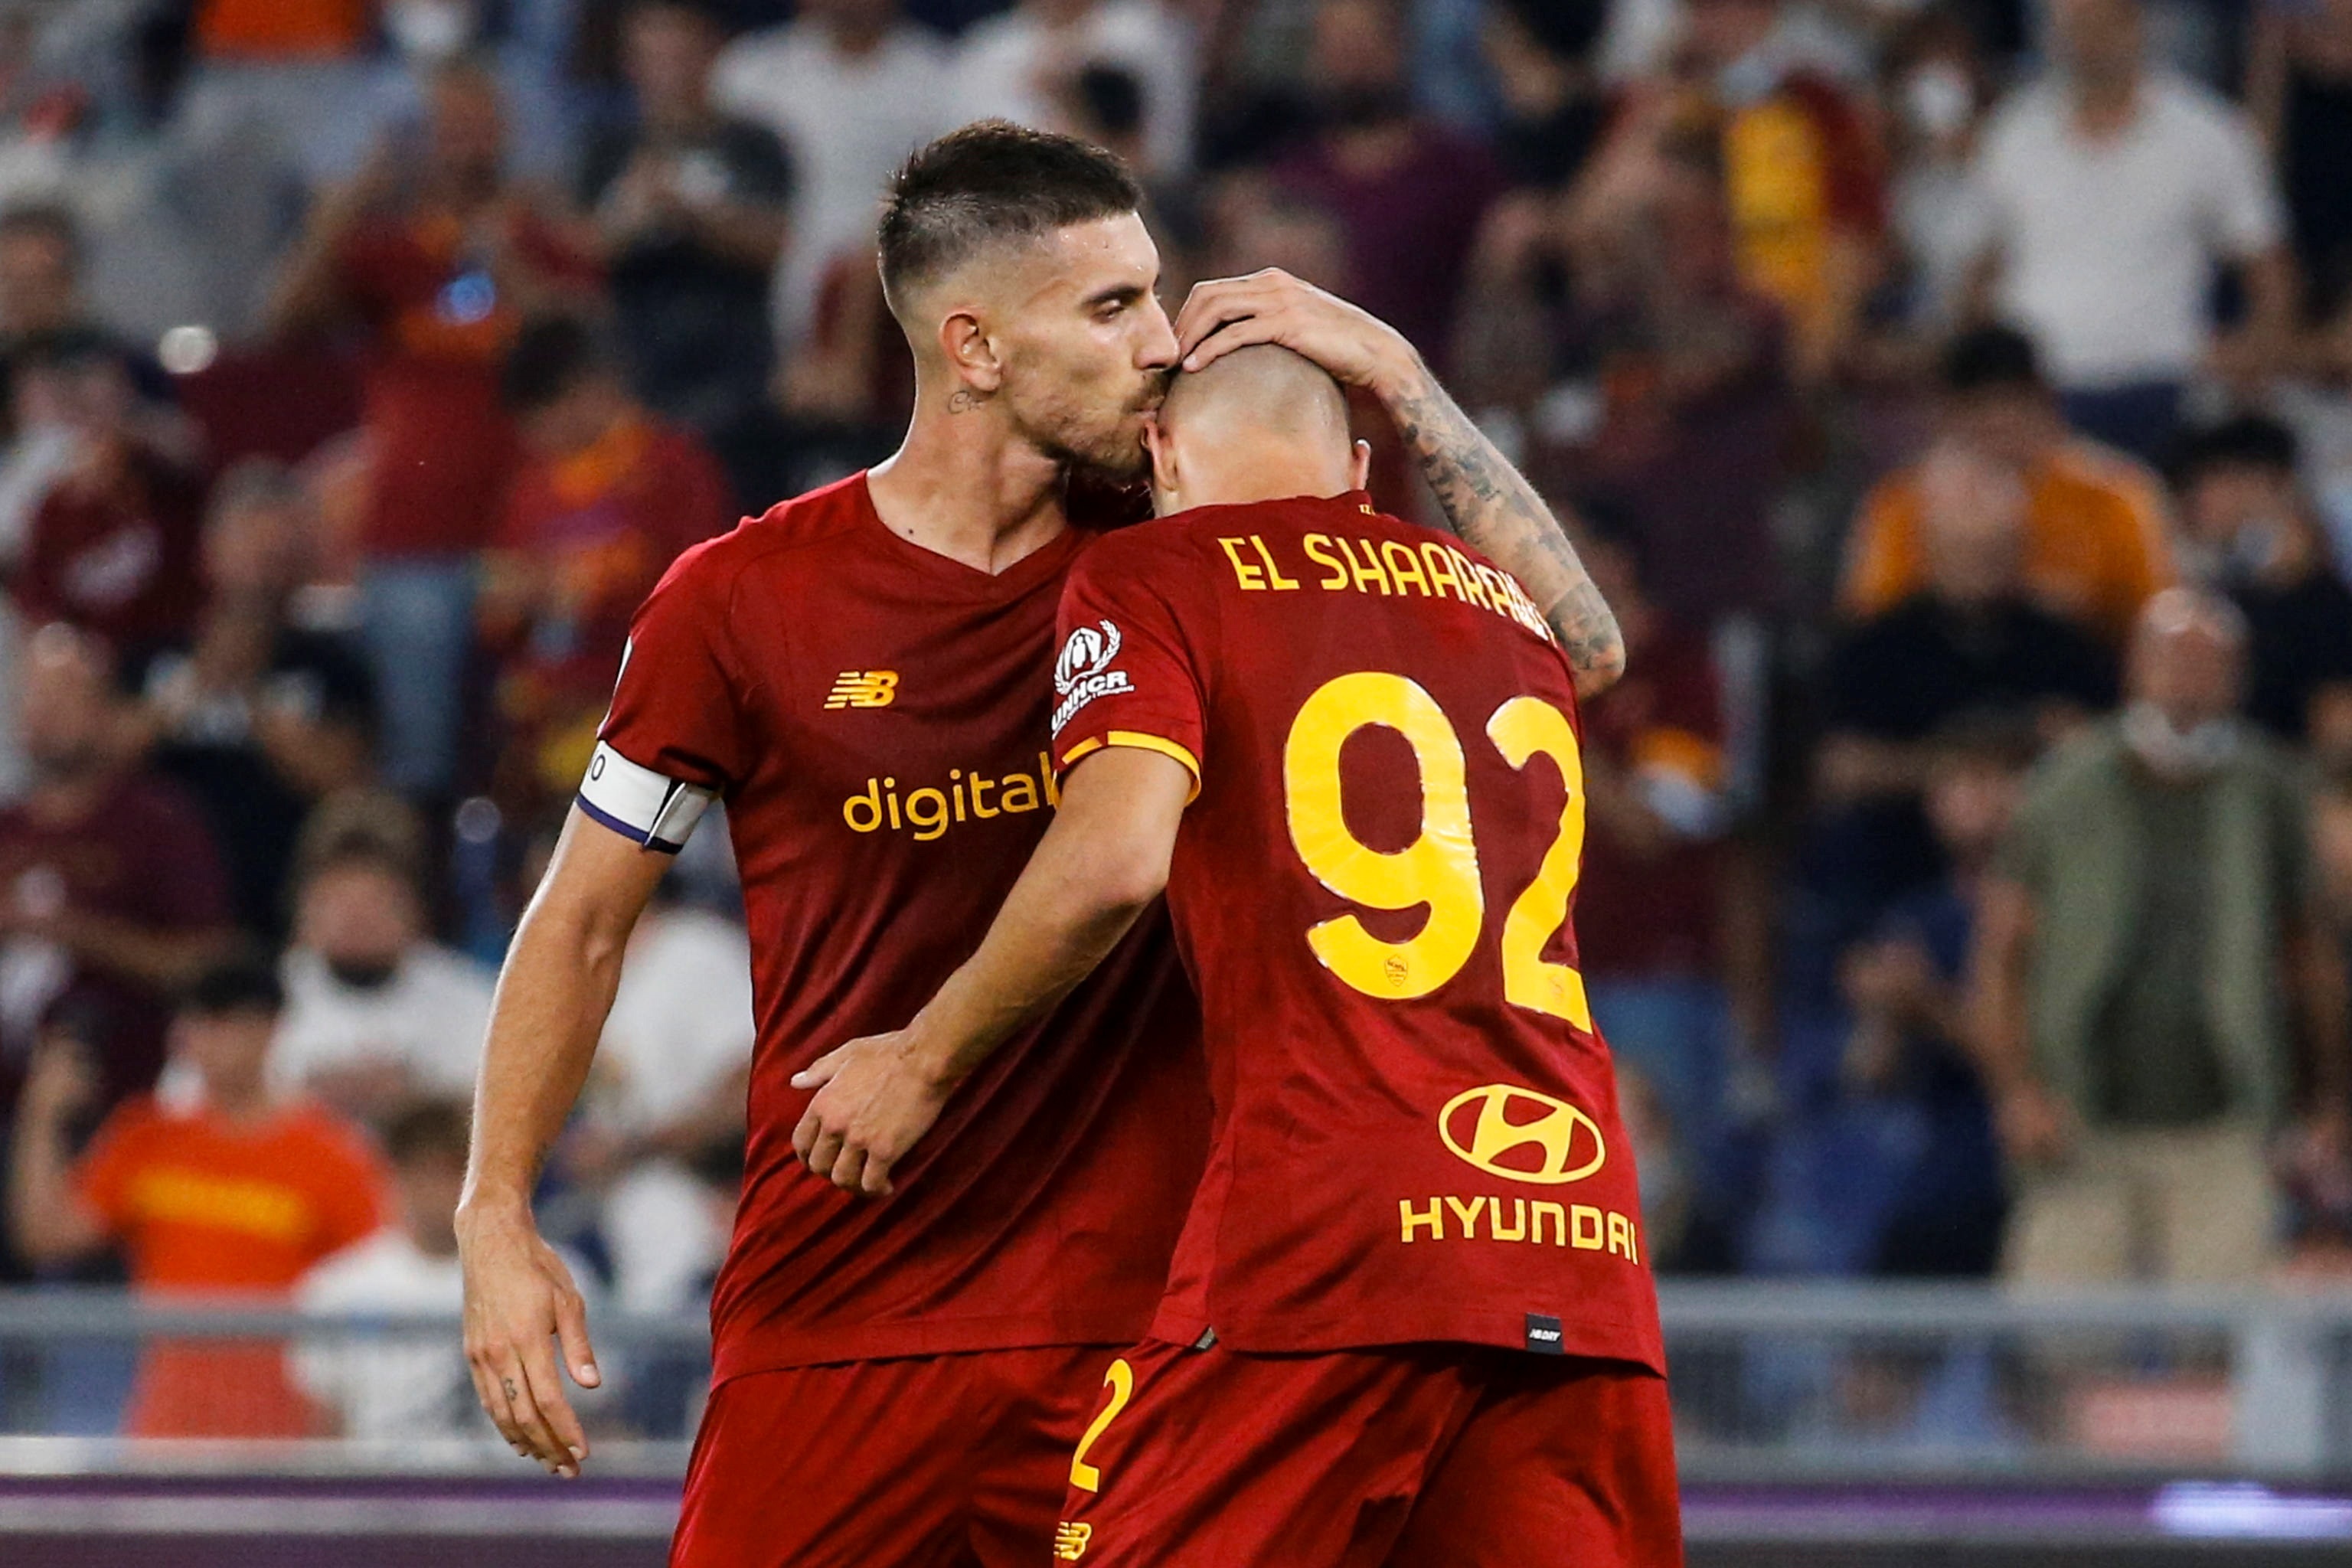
1489	504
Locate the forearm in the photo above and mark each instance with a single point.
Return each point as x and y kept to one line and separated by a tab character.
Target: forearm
1490	504
1060	920
552	999
47	1220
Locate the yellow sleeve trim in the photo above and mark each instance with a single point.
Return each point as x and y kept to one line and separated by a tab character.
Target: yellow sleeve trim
1141	742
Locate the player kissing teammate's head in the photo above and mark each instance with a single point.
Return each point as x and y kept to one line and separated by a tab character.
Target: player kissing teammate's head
1255	424
1025	280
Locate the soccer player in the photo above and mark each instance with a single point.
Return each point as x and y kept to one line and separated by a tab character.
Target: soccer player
1411	1319
861	676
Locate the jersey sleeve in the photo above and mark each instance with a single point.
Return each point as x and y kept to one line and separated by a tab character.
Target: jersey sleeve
672	741
1128	674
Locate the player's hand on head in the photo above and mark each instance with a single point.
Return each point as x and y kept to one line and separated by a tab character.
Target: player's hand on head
871	1106
521	1304
1272	306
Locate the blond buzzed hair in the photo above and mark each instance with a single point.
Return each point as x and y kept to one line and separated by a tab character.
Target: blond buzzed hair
1263	388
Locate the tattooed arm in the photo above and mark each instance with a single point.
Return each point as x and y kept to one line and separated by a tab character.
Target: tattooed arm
1488	502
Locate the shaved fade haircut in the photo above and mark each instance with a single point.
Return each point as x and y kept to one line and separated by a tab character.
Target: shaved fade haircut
989	184
1262	387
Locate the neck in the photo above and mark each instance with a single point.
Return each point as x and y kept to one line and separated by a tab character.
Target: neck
2104	103
243	1105
857	37
963	485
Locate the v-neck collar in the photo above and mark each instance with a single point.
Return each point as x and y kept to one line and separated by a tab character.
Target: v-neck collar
1045	561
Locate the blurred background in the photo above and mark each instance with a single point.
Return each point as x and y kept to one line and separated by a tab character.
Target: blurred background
1952	396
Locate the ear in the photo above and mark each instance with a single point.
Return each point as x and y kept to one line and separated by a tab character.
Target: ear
1164	454
970	351
1359	465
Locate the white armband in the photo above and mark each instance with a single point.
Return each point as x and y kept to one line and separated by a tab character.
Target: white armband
639	803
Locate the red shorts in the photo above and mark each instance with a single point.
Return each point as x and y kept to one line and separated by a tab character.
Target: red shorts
1445	1456
946	1461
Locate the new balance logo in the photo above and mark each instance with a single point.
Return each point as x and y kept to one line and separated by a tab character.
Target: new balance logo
863	688
1070	1541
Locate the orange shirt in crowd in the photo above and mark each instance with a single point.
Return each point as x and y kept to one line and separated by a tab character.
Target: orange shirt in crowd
2095	541
201	1206
282	29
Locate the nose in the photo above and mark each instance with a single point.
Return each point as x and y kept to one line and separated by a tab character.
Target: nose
1156	347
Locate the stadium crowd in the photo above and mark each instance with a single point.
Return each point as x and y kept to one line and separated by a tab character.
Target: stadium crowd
1953	397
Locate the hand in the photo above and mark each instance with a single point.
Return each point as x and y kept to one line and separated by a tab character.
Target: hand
1272	306
59	1080
518	1296
2036	1127
873	1101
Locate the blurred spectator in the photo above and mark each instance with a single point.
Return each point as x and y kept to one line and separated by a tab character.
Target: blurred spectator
2299	91
111	894
297	72
607	498
111	545
852	90
40	275
384	1385
2094	526
689	209
1906	1067
1969	641
1540	52
238	1192
671	1074
1937	87
259	714
2255	538
1686	423
1804	175
1023	65
377	1013
1408	193
2150	952
2109	194
1653	880
436	258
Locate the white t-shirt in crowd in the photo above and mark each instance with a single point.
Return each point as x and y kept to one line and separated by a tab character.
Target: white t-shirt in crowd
429	1017
2108	248
1002	66
848	121
381	1383
682	1020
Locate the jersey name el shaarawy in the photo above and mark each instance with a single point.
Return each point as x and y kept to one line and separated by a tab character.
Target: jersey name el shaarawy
1416	1134
874	717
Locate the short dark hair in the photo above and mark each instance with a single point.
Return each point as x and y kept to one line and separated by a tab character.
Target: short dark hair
1991	359
244	982
427	1127
1564	29
991	183
2246	441
551	356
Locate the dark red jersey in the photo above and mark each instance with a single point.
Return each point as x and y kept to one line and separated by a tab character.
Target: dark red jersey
874	717
1416	1134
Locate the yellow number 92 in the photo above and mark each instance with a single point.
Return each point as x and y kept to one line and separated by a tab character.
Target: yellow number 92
1439	868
